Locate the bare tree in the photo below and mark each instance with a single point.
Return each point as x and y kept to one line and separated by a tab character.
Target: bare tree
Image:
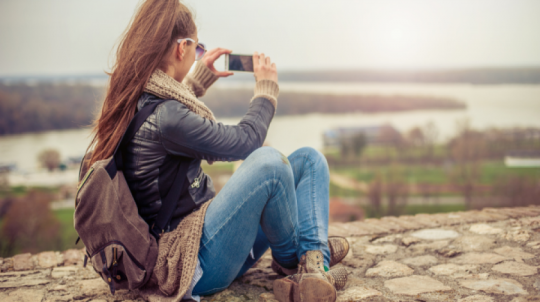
49	158
518	191
396	191
430	133
467	150
375	195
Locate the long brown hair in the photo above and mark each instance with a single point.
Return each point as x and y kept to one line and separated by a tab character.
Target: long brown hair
144	46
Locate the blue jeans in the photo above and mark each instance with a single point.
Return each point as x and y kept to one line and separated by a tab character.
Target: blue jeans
270	201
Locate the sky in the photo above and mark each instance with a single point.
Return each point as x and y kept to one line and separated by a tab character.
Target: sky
73	37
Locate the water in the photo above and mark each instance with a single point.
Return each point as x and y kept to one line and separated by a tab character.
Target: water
488	106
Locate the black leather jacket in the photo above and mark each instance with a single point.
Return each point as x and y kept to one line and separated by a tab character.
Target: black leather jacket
173	130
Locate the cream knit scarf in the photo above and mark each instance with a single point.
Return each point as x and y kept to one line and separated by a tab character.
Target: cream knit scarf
164	86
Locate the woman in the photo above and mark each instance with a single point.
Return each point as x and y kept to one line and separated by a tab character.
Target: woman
270	201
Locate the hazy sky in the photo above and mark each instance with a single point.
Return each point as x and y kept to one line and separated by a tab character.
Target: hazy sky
56	37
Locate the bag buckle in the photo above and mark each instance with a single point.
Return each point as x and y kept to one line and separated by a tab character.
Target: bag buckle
155	232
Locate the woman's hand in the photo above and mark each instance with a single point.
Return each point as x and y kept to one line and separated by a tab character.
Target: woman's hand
263	68
211	56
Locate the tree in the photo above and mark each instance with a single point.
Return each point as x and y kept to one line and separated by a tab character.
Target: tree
396	191
430	133
49	158
467	150
30	226
353	145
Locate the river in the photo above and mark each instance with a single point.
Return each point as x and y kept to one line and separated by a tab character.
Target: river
487	106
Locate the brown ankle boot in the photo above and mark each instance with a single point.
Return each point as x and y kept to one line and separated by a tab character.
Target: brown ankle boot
311	283
339	247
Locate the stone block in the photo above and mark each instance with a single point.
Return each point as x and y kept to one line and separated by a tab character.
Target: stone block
479	258
517	235
23	262
72	257
47	259
415	285
484	229
495	286
477	298
357	293
381	249
451	269
388	269
59	272
474	243
515	268
92	288
420	260
514	252
23	283
24	295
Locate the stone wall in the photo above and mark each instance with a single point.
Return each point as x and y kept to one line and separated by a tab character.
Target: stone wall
488	255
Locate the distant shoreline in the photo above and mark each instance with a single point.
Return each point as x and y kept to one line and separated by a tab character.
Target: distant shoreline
45	106
475	76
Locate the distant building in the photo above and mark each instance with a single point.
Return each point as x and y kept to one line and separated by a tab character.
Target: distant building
523	159
381	134
7	167
342	212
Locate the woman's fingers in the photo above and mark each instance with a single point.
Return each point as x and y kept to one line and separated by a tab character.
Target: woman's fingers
215	53
223	73
263	68
255	60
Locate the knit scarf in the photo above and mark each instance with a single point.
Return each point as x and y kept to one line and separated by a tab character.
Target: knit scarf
164	86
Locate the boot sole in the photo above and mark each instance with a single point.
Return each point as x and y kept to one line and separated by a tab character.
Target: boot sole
286	290
316	290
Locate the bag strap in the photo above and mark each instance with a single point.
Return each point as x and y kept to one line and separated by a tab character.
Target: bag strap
170	201
136	123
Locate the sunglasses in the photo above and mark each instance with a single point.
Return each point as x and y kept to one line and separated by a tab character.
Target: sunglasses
200	50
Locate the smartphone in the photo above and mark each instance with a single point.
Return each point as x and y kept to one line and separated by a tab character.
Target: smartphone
241	63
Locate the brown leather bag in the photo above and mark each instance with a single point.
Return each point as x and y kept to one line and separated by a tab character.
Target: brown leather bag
118	241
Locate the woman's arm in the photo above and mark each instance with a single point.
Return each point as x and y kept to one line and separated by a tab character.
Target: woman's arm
186	133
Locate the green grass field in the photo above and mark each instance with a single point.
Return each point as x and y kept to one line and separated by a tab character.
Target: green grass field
490	172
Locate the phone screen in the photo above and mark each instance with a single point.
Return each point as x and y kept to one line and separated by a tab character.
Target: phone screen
241	63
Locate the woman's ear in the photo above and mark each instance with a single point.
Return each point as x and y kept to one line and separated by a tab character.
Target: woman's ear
181	49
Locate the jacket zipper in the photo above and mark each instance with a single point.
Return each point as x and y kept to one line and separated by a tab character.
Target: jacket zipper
197	181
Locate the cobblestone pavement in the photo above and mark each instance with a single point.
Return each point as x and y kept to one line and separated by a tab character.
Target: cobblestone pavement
487	255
